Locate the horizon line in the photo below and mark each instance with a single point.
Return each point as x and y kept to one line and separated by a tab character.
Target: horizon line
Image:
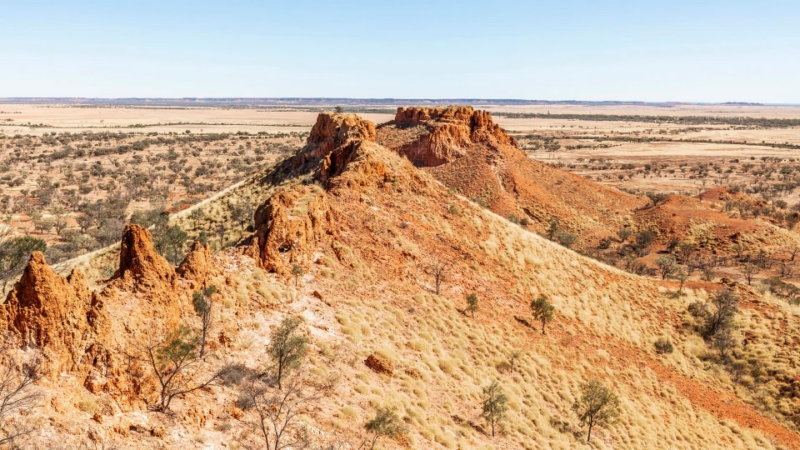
298	101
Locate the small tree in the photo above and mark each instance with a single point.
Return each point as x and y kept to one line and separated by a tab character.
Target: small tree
196	216
221	230
14	255
176	363
708	269
338	109
543	311
286	348
623	234
242	213
495	404
666	265
723	341
685	251
85	222
171	242
553	228
726	305
472	303
60	219
203	306
749	270
385	423
656	197
438	269
297	273
642	241
596	406
682	275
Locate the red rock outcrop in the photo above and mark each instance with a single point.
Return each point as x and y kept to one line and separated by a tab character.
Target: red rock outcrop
359	159
465	150
140	265
291	225
58	315
198	264
380	364
143	297
332	131
450	132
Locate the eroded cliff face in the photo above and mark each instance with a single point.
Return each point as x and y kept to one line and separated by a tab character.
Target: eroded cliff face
291	225
332	131
449	133
58	315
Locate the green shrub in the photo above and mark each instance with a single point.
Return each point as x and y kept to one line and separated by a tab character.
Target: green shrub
663	346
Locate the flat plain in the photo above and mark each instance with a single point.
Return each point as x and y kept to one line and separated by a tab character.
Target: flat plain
61	163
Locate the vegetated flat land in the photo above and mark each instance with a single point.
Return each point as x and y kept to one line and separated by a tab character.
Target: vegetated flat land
685	149
57	162
76	179
40	119
673	154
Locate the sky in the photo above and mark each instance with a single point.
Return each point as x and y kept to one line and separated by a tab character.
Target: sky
690	51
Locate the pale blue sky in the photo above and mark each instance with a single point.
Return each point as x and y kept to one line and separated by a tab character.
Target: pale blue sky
704	51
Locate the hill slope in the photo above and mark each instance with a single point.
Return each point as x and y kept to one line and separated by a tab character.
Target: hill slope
365	228
466	151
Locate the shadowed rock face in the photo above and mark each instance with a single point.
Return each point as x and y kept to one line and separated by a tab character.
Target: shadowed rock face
56	314
290	225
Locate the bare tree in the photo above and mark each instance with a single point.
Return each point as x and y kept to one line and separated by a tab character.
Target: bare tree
177	365
17	396
438	269
793	252
277	413
749	270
